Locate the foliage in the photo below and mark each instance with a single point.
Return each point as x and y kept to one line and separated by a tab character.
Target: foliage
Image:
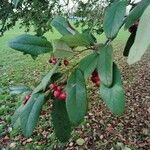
28	13
71	106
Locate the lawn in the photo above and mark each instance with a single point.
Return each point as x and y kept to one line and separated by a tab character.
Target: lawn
16	68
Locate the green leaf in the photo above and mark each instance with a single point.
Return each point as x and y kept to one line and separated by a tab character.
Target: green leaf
60	120
105	65
129	44
46	80
30	44
30	114
79	39
76	97
15	120
61	49
136	13
62	25
16	2
113	18
19	89
88	64
114	96
142	39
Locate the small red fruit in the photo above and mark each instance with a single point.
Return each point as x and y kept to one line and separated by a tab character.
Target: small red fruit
62	96
52	86
27	97
66	62
56	94
59	88
54	61
97	83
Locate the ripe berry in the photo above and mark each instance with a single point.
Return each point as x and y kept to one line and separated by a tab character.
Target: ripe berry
27	97
59	88
97	83
62	96
52	86
66	62
56	94
53	60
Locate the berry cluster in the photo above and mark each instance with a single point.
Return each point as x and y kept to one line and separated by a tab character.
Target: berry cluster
95	78
26	99
58	91
53	61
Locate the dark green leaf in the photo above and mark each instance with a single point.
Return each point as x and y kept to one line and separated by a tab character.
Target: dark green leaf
19	89
114	96
142	39
79	39
113	18
88	64
136	13
30	114
30	44
61	49
45	80
105	65
15	120
60	120
129	44
76	97
62	25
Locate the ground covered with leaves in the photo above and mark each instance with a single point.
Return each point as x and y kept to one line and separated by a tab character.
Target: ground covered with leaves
100	128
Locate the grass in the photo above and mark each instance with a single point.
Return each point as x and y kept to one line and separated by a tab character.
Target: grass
16	68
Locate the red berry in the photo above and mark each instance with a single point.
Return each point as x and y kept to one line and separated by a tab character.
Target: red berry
27	97
66	62
96	78
93	79
54	61
98	83
59	88
56	94
52	86
62	96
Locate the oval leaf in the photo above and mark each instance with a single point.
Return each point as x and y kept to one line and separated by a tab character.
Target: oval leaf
76	97
30	114
62	25
30	44
61	49
60	120
136	13
45	80
84	39
113	18
142	39
114	95
129	44
105	65
88	64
